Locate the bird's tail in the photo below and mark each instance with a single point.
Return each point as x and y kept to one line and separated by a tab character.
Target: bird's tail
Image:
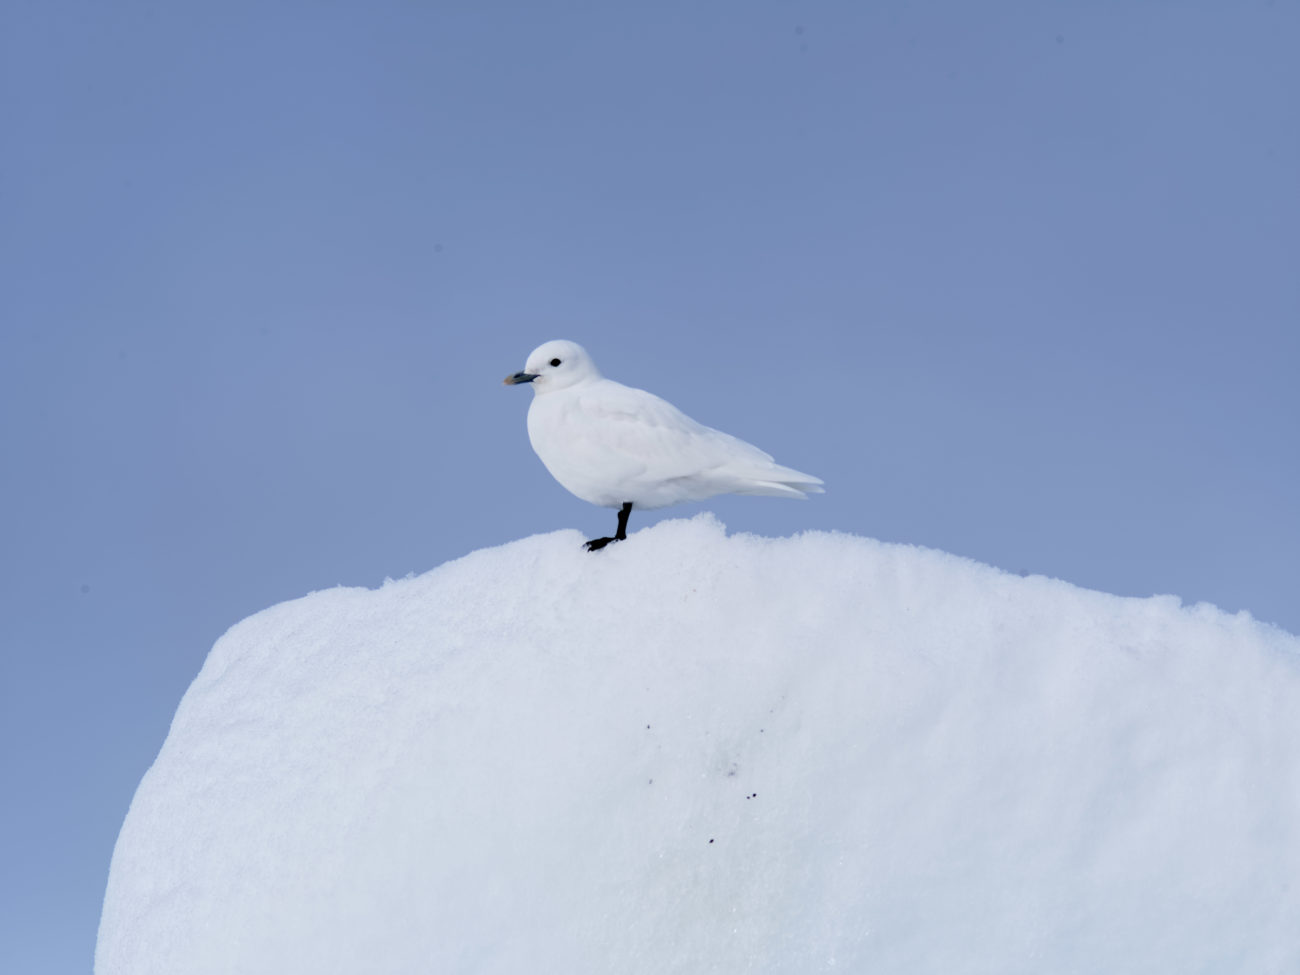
779	482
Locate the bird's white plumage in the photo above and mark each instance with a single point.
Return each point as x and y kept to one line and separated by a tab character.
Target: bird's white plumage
610	444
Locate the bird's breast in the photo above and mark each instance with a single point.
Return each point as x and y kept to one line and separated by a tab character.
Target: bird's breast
569	441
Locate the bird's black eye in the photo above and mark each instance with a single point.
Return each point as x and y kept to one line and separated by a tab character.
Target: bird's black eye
555	362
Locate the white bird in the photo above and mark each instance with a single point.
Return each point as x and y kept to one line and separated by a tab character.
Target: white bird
620	447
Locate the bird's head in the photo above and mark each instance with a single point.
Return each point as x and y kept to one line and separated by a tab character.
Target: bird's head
556	365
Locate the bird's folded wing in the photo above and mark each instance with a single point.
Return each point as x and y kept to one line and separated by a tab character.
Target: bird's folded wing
645	435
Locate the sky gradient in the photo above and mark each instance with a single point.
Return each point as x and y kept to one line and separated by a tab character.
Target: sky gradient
1019	282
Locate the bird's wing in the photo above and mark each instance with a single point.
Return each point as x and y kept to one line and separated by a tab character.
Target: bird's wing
648	436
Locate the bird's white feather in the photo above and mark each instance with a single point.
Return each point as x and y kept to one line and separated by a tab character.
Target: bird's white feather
610	444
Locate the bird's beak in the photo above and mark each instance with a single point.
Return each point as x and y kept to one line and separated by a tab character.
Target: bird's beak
520	377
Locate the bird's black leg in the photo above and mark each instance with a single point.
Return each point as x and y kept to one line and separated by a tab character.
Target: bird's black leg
596	544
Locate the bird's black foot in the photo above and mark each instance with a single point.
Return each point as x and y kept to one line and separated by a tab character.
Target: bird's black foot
596	544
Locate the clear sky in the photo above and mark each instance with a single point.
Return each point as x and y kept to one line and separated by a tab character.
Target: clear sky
1019	281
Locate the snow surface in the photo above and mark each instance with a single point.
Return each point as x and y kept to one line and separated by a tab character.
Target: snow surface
699	753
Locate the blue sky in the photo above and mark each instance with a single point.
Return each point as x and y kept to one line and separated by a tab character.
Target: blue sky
1018	281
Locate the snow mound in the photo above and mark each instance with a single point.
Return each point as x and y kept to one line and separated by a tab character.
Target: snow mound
699	753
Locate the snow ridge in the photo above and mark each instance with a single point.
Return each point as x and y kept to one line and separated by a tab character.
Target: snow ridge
700	753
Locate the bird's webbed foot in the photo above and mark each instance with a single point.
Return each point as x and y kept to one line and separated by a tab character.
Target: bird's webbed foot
596	544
